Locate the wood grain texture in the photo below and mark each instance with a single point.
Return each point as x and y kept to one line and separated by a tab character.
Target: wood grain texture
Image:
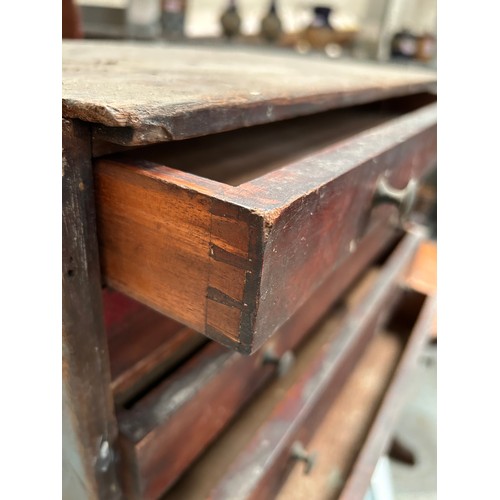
143	93
264	463
171	243
148	226
153	433
173	424
235	263
89	424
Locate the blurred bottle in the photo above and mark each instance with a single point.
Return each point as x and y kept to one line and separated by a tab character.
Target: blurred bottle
143	19
404	45
230	20
320	32
270	26
172	19
426	47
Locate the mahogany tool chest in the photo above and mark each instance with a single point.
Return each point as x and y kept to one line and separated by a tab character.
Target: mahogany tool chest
239	229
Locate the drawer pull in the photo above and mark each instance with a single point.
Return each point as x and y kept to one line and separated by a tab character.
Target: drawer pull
404	199
299	453
283	362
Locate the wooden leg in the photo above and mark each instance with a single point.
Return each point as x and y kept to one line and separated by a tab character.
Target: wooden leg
89	423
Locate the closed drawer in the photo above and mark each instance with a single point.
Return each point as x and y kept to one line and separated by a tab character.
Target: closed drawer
254	456
233	256
163	431
265	461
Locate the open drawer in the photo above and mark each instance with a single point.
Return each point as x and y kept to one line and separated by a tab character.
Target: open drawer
230	234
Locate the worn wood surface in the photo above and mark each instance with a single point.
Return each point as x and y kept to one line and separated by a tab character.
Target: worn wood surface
144	93
89	424
264	463
154	427
235	263
142	344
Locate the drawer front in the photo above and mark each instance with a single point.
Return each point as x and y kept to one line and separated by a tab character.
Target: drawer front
235	262
154	430
264	463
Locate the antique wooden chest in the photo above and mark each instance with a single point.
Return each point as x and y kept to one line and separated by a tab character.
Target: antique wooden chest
227	212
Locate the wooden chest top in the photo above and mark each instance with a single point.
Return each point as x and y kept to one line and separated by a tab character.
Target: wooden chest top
154	93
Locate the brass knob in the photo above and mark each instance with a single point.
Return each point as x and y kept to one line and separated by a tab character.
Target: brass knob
298	452
404	199
283	362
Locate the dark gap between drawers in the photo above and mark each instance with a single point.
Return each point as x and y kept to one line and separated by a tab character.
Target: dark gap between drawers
144	346
161	377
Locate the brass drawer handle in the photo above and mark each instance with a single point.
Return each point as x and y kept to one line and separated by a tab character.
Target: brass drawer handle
298	452
404	199
283	363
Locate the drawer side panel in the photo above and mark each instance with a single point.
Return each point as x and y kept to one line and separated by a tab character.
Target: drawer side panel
154	241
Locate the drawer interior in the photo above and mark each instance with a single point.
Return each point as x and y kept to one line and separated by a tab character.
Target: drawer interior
245	154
